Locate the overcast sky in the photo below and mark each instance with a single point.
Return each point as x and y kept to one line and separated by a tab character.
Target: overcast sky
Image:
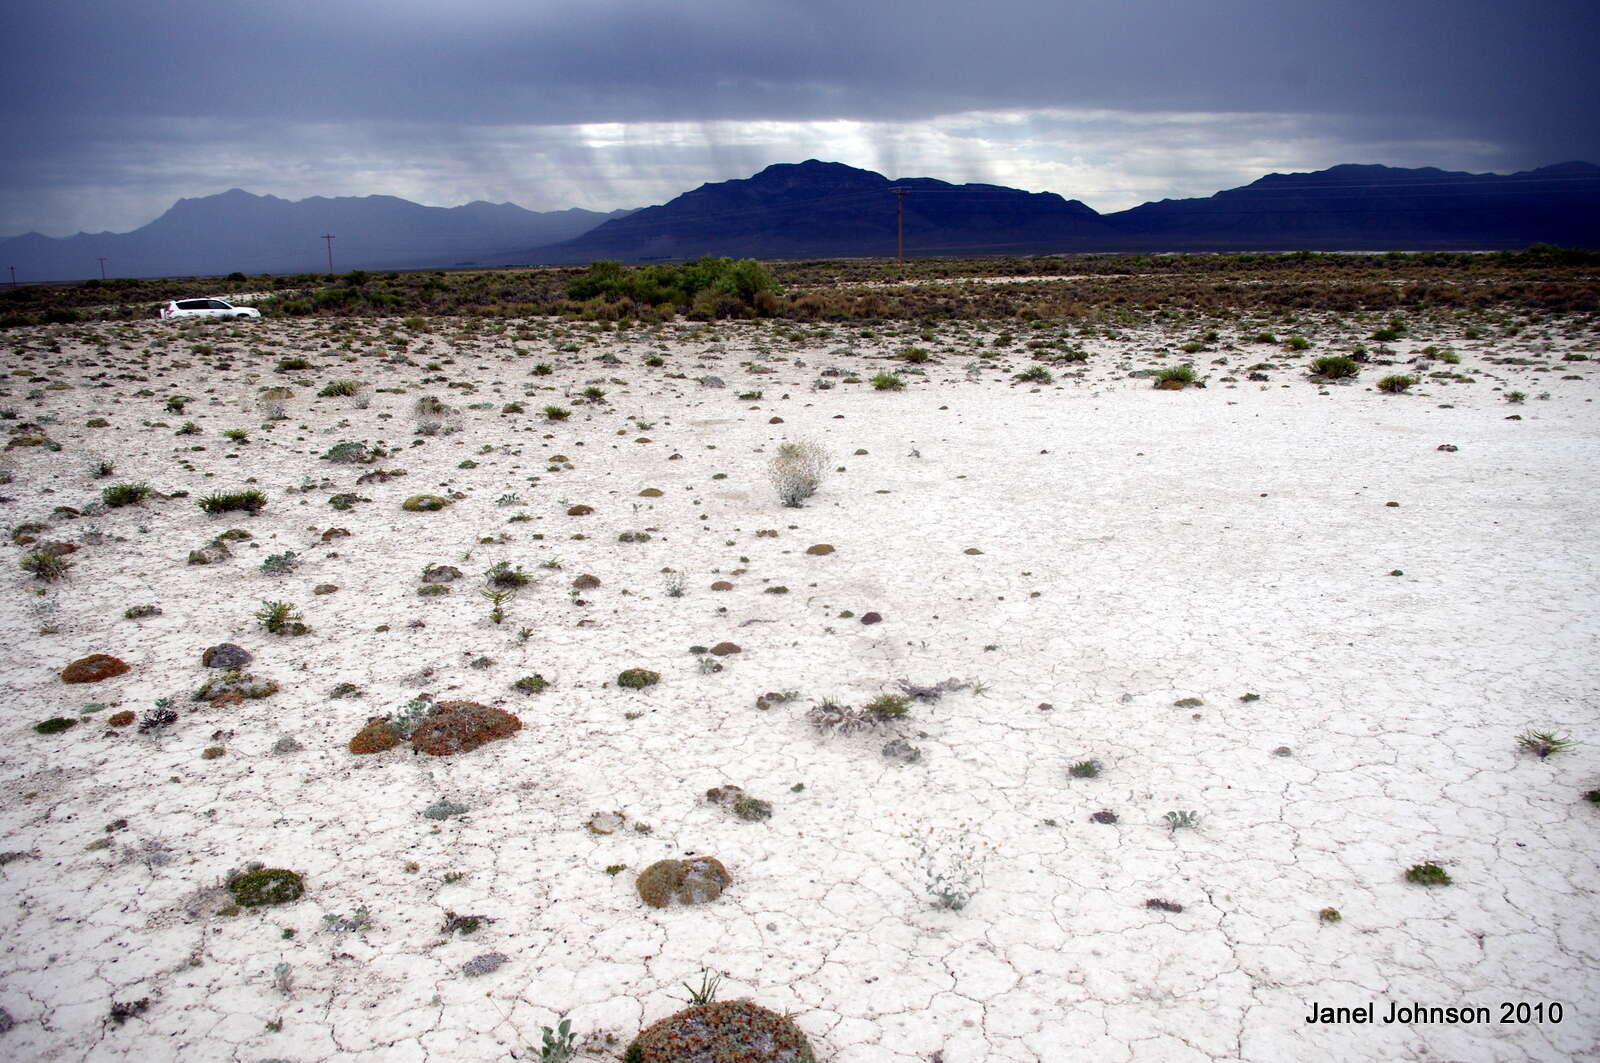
116	108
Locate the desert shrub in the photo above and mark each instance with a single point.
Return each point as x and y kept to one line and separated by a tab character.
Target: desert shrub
637	678
1182	374
349	453
1397	383
732	1030
340	388
888	382
1297	343
531	684
705	288
280	564
914	355
1335	367
124	494
557	413
797	469
1034	374
45	565
292	363
251	501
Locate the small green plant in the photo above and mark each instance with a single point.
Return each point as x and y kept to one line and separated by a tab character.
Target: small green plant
1329	915
1335	367
1182	819
55	725
542	369
886	381
498	597
1179	374
1515	397
502	575
176	403
557	413
1396	383
1543	743
914	355
292	363
281	618
130	494
1034	374
558	1043
1297	343
1085	769
531	684
236	435
1429	874
251	501
672	584
709	984
340	388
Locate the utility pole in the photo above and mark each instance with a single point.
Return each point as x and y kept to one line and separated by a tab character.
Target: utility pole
900	223
13	270
102	262
329	237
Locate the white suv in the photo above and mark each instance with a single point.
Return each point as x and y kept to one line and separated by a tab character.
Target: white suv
206	308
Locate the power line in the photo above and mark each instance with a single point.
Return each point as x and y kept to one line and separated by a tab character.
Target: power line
329	237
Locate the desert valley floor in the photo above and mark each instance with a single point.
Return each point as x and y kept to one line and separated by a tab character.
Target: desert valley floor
1319	624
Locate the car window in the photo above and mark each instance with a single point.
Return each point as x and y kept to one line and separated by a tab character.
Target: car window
195	304
217	304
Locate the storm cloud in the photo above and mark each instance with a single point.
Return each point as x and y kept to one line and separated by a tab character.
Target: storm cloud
117	109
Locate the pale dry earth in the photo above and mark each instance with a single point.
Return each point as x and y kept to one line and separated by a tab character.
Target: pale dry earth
1089	552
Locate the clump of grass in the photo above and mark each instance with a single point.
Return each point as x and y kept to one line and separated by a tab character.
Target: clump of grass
251	501
557	413
1516	396
291	364
1034	374
1297	343
1335	367
886	381
129	494
1429	874
46	566
1397	383
1181	374
531	684
886	707
236	435
1085	769
340	389
1543	743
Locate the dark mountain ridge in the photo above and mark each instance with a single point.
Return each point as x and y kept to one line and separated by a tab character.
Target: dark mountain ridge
819	209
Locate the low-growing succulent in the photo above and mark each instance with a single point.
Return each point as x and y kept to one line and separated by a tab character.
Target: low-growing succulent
637	678
1428	874
266	886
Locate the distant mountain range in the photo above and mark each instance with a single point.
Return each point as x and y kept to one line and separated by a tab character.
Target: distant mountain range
828	210
238	231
